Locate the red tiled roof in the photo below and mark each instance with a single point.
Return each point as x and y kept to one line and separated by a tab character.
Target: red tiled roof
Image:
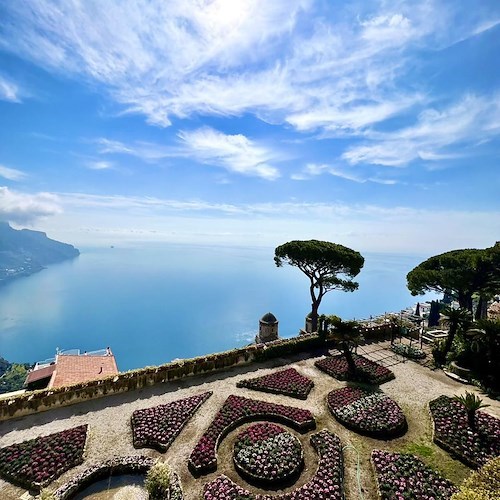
72	369
40	374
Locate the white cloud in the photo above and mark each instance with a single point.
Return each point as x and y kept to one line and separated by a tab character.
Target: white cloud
313	170
12	174
235	153
99	165
462	123
26	208
109	219
9	91
287	60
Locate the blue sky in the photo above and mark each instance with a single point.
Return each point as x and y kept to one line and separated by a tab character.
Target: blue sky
375	124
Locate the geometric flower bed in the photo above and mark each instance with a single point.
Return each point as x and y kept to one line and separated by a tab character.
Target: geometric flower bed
158	427
235	411
35	463
372	413
367	370
288	382
405	476
452	432
408	351
267	453
327	482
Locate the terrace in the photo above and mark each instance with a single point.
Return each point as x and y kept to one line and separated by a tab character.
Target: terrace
110	434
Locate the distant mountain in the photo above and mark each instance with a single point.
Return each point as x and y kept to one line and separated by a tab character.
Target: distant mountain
24	252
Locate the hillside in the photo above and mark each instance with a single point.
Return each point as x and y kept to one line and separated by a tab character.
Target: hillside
24	252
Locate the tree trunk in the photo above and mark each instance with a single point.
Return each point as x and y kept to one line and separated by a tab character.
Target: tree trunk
482	308
449	340
471	418
350	360
314	316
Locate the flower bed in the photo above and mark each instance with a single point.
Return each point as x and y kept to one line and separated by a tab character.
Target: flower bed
35	463
401	476
371	413
234	412
452	432
288	382
368	371
408	351
265	453
158	427
326	484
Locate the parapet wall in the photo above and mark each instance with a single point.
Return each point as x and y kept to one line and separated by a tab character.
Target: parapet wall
47	399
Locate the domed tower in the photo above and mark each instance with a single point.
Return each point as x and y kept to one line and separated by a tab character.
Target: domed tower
268	329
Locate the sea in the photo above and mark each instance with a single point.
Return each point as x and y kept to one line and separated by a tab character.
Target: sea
155	303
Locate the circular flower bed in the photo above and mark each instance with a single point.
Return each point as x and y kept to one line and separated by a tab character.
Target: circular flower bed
408	351
235	411
288	382
158	427
474	447
367	370
405	476
372	413
267	453
35	463
327	483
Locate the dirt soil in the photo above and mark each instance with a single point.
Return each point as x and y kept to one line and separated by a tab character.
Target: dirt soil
110	431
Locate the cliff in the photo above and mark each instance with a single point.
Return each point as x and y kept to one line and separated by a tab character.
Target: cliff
24	252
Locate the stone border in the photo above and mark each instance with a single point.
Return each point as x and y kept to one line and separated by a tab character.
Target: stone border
385	434
277	483
133	464
301	427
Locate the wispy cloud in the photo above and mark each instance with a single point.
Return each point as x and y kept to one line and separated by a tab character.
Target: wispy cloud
24	208
99	164
278	60
12	174
312	170
9	91
462	124
235	153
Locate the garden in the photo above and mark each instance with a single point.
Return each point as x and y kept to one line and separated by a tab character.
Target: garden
217	440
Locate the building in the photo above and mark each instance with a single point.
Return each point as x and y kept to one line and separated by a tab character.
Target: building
268	329
72	367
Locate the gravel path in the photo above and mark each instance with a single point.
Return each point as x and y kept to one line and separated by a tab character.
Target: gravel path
110	432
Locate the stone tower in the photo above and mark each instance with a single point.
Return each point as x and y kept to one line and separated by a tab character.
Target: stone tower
268	329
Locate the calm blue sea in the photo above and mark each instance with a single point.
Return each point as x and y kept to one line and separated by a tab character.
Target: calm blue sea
157	303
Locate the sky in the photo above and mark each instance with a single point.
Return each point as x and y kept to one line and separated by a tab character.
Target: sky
373	124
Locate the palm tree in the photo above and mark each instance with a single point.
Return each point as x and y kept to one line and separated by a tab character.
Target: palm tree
472	403
485	340
455	319
346	333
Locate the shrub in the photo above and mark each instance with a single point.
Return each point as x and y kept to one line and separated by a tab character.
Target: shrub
438	352
158	480
408	351
482	484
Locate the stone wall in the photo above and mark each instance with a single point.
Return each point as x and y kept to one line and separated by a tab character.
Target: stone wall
47	399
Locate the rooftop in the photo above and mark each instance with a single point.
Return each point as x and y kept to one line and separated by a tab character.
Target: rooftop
71	369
